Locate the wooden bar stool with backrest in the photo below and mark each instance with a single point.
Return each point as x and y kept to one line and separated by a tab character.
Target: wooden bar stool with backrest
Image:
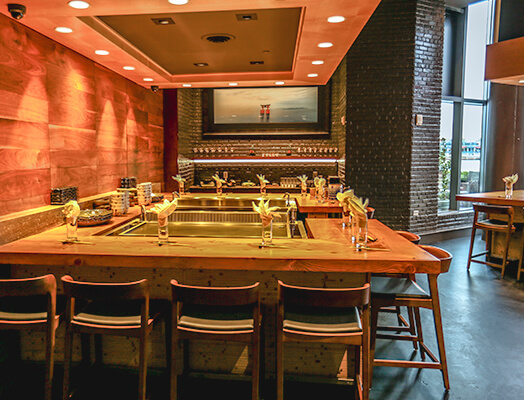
387	291
499	219
119	309
216	313
30	304
318	315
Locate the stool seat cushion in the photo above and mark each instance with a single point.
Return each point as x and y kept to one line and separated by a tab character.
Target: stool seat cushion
217	318
322	320
124	313
395	287
494	225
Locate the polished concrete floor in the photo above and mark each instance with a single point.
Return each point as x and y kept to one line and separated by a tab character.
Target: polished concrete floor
484	332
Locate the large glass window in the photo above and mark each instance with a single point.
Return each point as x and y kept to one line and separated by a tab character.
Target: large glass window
466	34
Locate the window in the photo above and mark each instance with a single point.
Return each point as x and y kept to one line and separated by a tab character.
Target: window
466	34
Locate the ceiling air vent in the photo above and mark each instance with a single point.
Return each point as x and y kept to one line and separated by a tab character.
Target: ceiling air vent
219	38
256	62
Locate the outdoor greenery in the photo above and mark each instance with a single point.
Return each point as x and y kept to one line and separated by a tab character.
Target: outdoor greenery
444	171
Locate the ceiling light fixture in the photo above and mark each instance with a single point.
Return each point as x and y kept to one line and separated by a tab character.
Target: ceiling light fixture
325	45
317	62
233	84
280	83
312	75
79	5
148	79
63	29
200	64
521	81
178	2
129	68
335	19
102	52
186	85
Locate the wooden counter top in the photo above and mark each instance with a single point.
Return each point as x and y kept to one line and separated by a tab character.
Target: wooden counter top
328	254
309	205
497	198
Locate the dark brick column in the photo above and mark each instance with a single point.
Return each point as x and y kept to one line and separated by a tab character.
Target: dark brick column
394	73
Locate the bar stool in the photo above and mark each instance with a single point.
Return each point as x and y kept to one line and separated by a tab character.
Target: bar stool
387	291
216	313
30	304
503	224
325	316
412	237
119	309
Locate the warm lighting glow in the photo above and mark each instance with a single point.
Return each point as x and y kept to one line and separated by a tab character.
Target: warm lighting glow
264	160
317	62
102	52
63	29
280	83
148	79
178	2
336	19
312	75
325	45
79	5
521	81
233	84
129	68
186	85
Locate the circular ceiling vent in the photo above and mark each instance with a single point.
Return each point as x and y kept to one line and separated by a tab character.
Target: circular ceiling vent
219	37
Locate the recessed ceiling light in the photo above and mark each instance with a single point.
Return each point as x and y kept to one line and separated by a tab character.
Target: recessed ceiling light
148	79
336	19
200	64
186	85
312	75
79	5
280	83
102	52
129	68
178	2
521	81
63	29
233	84
325	44
317	62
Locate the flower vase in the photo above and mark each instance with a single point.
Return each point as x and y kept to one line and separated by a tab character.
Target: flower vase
263	190
267	233
163	232
72	226
320	194
219	190
181	188
509	190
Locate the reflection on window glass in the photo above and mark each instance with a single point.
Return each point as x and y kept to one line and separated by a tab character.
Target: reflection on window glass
471	147
446	135
477	29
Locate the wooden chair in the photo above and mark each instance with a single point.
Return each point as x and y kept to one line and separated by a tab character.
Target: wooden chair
38	313
121	309
216	313
387	291
325	316
412	237
503	223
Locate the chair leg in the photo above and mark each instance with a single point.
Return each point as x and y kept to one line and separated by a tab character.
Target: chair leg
433	287
50	361
68	350
412	329
142	366
280	366
255	379
174	372
521	256
375	308
471	244
505	257
367	361
98	350
418	324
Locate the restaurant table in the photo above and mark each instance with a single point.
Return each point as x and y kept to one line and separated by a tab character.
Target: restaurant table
499	198
313	209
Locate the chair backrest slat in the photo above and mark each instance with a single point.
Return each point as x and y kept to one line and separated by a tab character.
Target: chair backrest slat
321	297
42	285
219	296
444	256
494	210
106	291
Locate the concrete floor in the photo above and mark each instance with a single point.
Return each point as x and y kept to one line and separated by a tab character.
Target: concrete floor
483	320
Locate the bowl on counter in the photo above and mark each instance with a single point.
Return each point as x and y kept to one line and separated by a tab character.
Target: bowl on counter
91	217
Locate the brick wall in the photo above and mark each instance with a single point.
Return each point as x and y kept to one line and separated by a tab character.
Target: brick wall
394	71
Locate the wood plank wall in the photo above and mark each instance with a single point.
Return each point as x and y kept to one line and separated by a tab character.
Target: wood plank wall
67	121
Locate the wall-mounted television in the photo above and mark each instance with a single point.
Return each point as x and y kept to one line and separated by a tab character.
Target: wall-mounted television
302	110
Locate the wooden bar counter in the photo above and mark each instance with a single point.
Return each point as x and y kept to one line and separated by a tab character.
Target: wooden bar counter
326	261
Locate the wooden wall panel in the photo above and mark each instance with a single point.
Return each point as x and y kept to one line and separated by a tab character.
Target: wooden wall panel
67	121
